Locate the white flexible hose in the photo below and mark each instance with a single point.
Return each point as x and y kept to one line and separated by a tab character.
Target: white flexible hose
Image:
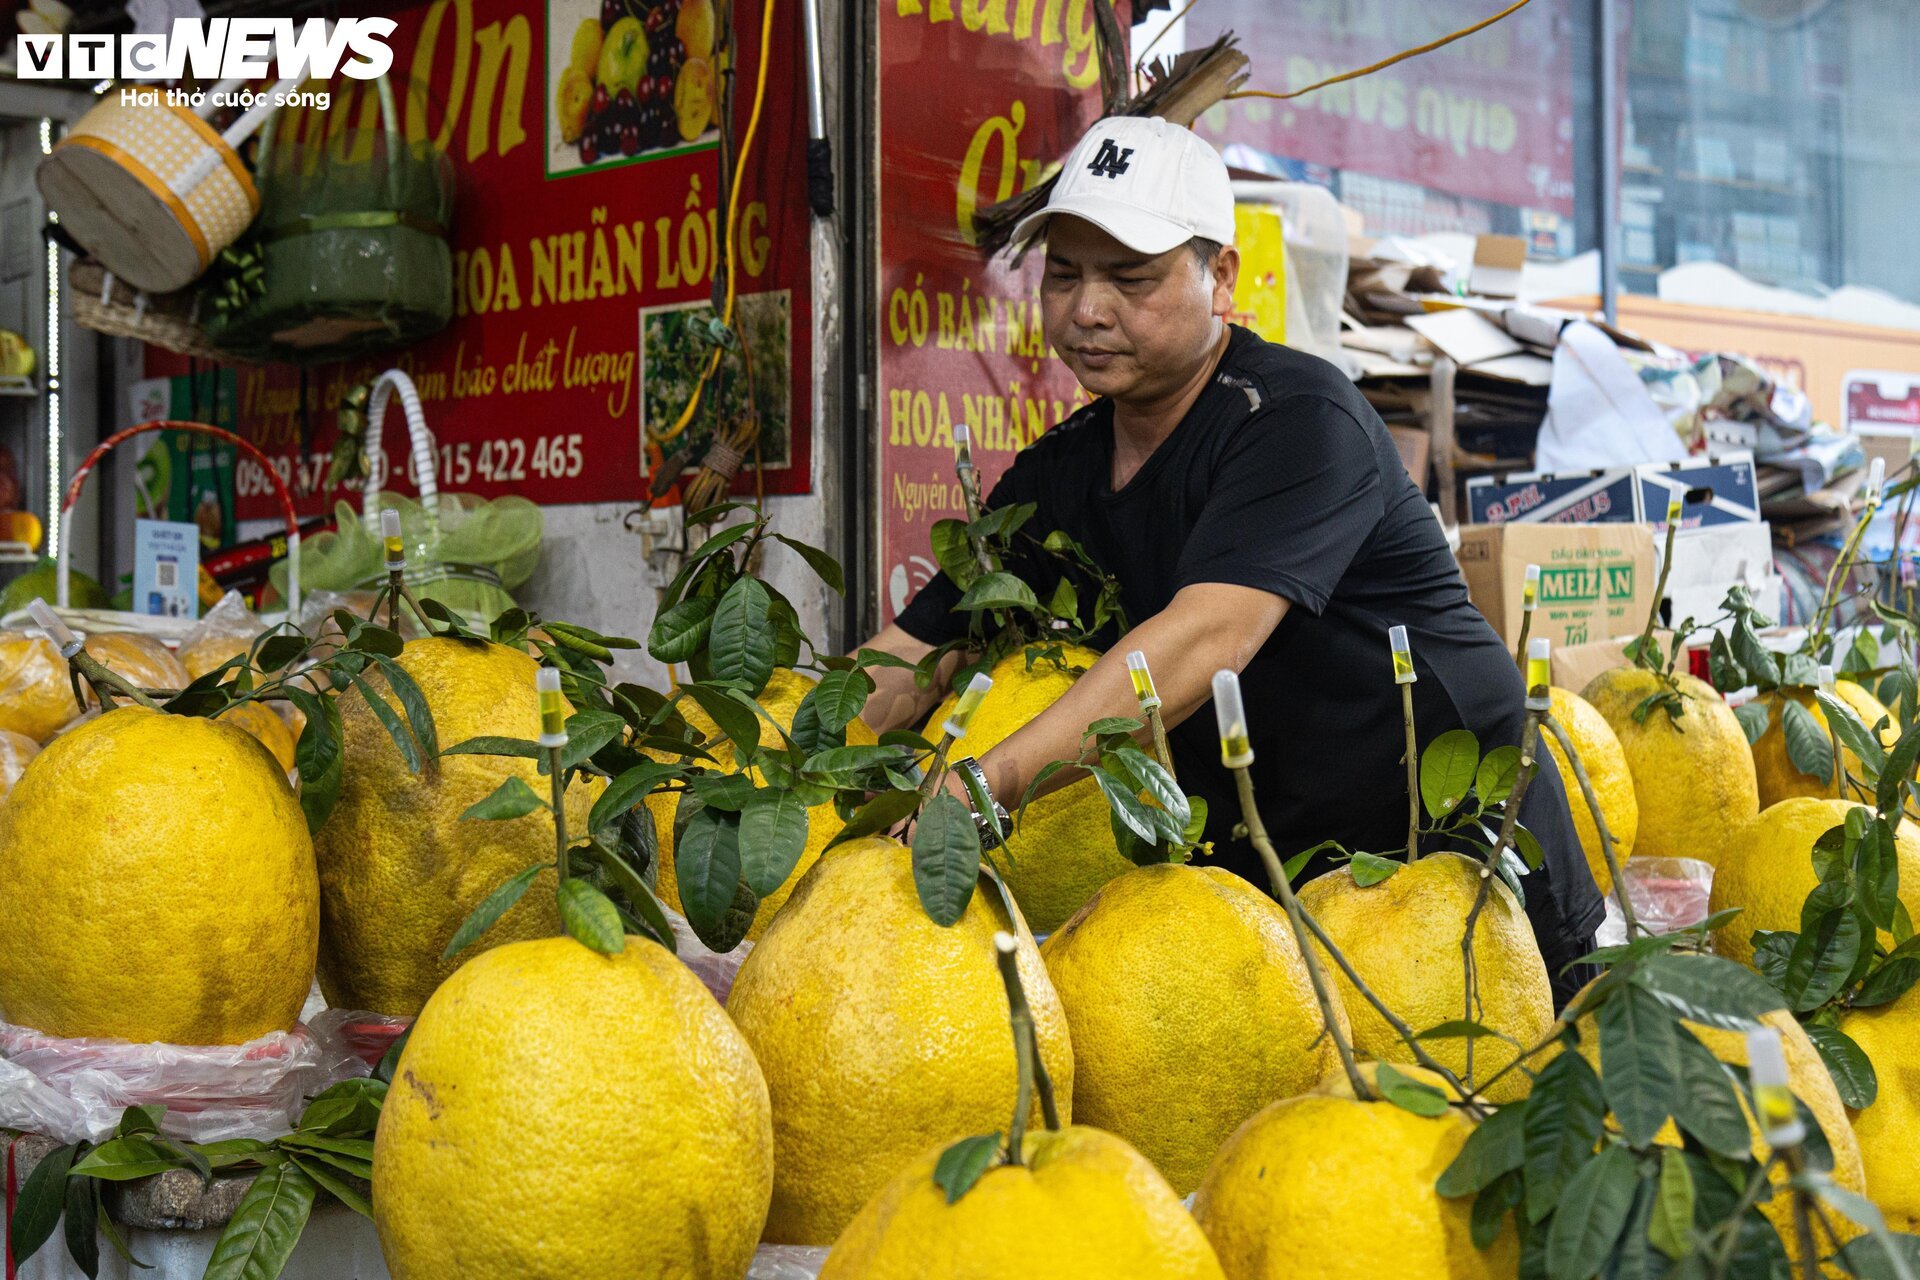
422	440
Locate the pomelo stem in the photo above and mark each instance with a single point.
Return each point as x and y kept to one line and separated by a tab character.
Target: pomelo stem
1520	645
1607	849
1660	590
1529	749
1277	874
1161	750
103	678
1031	1071
1413	775
395	585
936	768
559	815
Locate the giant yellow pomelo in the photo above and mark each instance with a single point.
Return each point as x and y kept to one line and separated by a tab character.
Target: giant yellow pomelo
1766	869
1889	1131
1403	935
399	868
157	883
1083	1204
1606	766
1779	779
1693	777
1190	1009
559	1114
780	699
881	1033
1327	1186
263	723
1063	850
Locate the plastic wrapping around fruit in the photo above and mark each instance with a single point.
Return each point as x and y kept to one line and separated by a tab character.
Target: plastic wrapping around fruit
1190	1009
1063	850
1083	1204
1767	871
1606	765
1402	936
1778	778
1324	1185
881	1034
209	652
261	721
399	868
35	698
1807	1076
16	750
559	1114
157	882
1889	1131
780	699
1693	779
140	660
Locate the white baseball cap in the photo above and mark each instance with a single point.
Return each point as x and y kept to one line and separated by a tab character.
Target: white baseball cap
1147	182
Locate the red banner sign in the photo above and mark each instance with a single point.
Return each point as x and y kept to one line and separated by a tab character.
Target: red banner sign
979	99
585	238
1489	117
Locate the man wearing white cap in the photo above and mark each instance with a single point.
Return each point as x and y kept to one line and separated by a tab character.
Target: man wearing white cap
1257	516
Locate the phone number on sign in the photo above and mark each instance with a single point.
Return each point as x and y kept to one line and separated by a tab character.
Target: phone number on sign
501	461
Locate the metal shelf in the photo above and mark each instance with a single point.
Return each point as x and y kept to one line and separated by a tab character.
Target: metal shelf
16	386
18	553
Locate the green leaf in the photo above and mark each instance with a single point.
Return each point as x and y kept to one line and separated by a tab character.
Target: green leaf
824	565
1114	724
414	703
1859	738
1493	783
1799	669
1065	602
1004	522
123	1159
1710	1109
588	730
1152	825
966	1161
1563	1125
1895	774
1807	744
841	695
402	739
265	1227
490	745
946	858
1463	1029
953	551
589	915
278	651
334	1184
627	790
318	756
1409	1094
722	540
1447	769
42	1197
706	866
1491	1207
1671	1229
1871	1257
111	1230
1639	1062
1863	655
735	714
82	1218
1754	718
1496	1147
1370	869
1876	871
740	648
1727	674
390	1060
141	1119
1771	951
347	1108
1152	777
773	834
491	908
1760	662
1823	959
1888	983
878	814
511	799
1708	989
680	632
997	590
1590	1215
1851	1069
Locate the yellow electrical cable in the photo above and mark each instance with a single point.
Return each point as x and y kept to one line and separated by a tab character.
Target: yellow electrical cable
733	204
1384	63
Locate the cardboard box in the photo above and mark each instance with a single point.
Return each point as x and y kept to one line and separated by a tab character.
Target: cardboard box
1545	497
1497	263
1575	665
1708	561
1728	476
1596	580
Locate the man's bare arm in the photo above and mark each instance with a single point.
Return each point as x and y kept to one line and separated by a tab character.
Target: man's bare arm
897	702
1204	628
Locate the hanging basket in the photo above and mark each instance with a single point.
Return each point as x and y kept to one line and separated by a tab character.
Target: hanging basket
353	241
105	303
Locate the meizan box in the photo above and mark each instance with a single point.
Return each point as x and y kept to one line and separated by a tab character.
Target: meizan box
1545	497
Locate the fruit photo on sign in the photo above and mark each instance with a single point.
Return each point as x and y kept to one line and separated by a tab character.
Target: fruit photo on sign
631	79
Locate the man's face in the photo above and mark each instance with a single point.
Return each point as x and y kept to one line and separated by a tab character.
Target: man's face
1130	326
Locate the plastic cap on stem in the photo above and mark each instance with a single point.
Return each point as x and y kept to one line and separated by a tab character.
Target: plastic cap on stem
963	443
1403	672
1825	677
1530	589
1539	669
1876	476
1004	943
976	692
1674	508
1142	678
1772	1092
390	534
57	631
553	708
1236	745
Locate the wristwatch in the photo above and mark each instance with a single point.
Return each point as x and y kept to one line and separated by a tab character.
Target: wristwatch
988	814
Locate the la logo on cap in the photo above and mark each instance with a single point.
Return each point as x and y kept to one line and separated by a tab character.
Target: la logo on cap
1110	161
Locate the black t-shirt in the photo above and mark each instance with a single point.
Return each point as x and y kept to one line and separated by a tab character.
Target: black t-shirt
1282	478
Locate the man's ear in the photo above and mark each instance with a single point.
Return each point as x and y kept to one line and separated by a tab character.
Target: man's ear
1225	273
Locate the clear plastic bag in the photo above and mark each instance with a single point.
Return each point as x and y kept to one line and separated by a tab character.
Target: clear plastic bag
367	1036
36	697
786	1262
1668	893
16	749
714	968
228	629
71	1090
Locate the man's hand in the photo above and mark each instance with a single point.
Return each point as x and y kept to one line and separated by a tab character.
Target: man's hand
897	702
